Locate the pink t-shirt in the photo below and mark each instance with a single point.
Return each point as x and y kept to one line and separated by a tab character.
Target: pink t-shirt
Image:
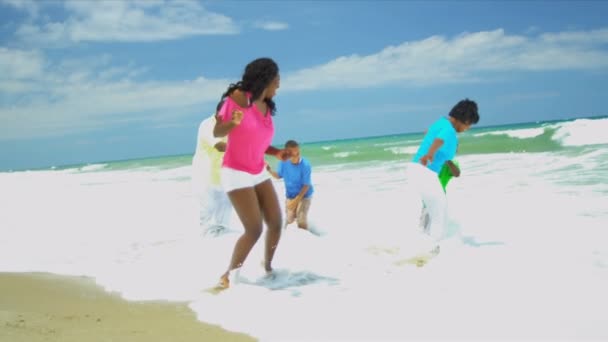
248	141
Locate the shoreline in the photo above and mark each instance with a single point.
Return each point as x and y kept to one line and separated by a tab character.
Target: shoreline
48	307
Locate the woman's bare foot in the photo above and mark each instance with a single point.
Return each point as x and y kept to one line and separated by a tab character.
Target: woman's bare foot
224	281
268	269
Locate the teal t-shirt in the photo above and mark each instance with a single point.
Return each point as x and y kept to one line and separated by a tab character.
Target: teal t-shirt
443	130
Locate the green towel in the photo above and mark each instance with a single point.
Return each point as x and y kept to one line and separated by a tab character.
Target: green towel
445	174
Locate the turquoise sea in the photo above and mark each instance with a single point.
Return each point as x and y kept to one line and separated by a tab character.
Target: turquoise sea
527	258
563	136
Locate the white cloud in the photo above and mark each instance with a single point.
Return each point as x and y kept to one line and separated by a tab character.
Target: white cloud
20	64
29	6
577	37
40	98
84	106
271	25
127	21
81	95
467	57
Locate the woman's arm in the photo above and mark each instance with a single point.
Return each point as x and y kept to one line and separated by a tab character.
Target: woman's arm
222	128
281	154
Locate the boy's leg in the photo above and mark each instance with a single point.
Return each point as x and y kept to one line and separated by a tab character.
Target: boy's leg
425	220
425	183
436	206
290	214
302	213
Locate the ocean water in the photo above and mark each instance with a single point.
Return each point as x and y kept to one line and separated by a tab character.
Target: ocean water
527	257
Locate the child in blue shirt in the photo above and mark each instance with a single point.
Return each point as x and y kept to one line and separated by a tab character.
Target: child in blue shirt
296	173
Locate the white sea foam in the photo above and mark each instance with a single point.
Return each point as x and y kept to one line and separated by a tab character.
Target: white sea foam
582	132
524	133
93	167
402	149
398	143
345	154
528	230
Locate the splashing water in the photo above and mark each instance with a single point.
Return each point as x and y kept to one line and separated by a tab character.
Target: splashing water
528	256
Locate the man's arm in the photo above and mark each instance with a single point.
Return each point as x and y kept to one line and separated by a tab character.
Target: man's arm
220	146
454	169
205	133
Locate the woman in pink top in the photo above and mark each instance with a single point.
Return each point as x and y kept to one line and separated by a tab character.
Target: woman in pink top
246	117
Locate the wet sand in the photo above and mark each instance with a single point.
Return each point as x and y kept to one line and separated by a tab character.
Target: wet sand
45	307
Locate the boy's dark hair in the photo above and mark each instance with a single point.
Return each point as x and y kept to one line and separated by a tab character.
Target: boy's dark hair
465	111
291	143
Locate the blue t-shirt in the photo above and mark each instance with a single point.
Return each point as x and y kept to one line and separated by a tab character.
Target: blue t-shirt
444	130
295	177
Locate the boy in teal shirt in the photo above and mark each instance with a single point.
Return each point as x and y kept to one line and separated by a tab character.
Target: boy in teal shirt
439	147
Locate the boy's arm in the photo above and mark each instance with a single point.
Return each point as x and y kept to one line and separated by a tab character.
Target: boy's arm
428	157
299	197
307	181
272	172
454	169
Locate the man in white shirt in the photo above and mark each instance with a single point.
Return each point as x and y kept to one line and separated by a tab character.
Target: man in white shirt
215	207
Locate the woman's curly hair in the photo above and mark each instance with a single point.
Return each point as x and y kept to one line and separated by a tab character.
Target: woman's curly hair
257	76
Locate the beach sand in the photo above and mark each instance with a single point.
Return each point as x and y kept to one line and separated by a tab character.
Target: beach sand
45	307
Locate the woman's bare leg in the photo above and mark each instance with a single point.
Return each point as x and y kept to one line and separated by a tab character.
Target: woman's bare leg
245	203
271	211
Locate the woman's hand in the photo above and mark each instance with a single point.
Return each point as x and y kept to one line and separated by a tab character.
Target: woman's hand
282	154
237	117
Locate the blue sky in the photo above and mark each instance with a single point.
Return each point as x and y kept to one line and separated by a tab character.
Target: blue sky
85	81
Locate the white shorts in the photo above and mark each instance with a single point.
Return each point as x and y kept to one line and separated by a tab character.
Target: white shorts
233	179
